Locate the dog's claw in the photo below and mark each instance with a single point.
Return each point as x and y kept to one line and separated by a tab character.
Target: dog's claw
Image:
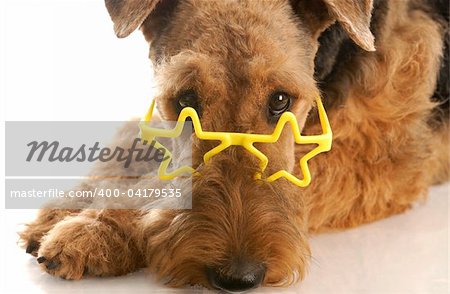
32	247
52	265
41	259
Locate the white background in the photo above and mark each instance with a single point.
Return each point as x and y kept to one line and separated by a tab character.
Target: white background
60	60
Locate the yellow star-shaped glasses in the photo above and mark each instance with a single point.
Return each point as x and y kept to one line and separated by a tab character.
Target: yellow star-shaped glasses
228	139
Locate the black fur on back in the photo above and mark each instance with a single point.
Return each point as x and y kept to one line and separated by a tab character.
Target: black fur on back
336	49
439	9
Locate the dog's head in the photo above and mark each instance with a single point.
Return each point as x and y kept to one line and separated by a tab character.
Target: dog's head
240	64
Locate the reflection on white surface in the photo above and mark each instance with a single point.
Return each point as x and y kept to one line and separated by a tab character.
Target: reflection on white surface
407	253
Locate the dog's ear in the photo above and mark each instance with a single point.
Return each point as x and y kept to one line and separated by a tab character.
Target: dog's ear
353	15
128	15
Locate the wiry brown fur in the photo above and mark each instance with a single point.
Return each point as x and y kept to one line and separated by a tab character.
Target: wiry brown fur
385	153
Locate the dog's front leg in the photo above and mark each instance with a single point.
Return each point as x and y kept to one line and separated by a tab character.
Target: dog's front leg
46	219
94	242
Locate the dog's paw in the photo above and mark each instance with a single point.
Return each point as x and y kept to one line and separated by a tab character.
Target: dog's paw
81	245
72	248
30	237
32	234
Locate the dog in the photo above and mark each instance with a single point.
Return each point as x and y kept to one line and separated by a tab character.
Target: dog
381	67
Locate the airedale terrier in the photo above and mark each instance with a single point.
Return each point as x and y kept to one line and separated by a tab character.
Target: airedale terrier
381	67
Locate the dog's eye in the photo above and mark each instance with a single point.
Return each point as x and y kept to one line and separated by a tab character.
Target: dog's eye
187	99
279	102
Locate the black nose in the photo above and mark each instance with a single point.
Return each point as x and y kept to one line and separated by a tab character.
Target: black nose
241	278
